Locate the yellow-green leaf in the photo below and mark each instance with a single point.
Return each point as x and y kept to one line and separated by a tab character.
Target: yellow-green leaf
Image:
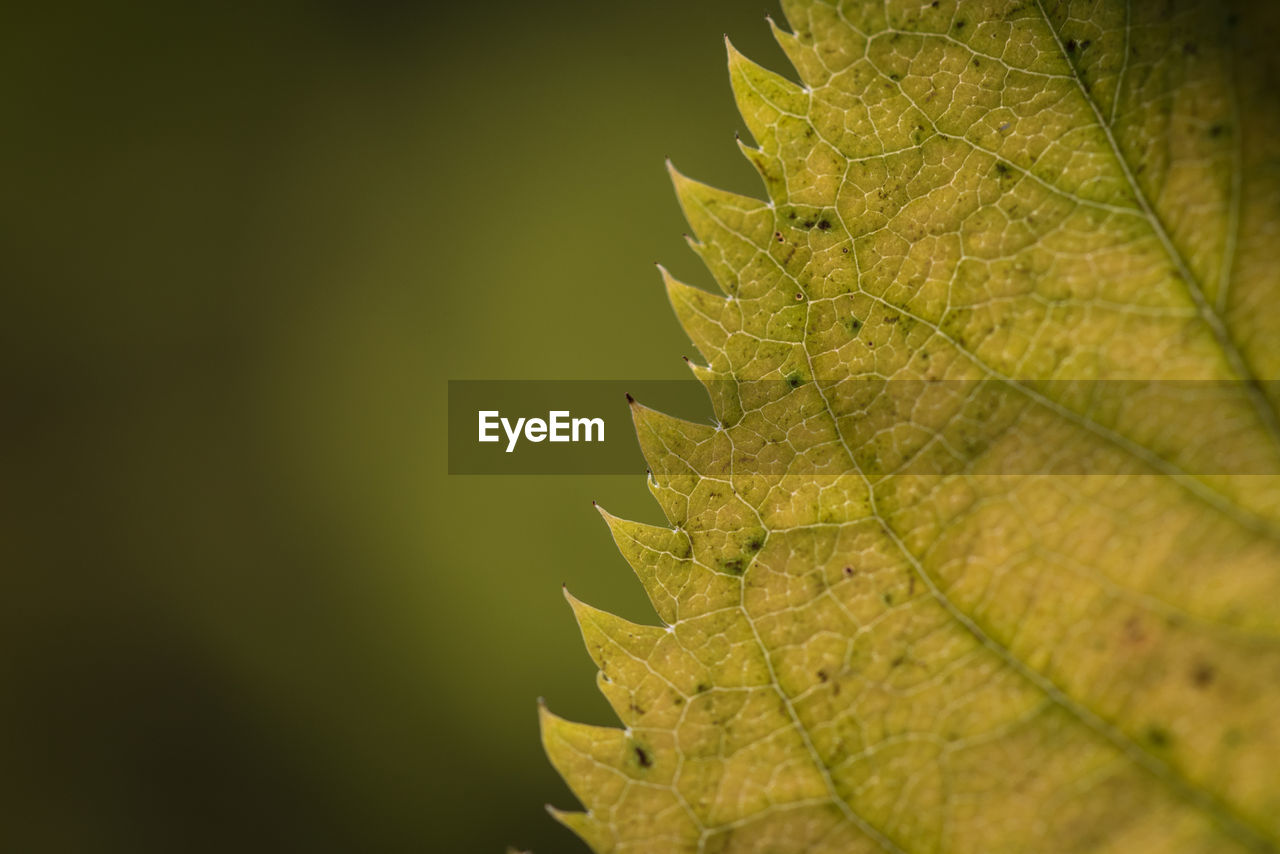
983	553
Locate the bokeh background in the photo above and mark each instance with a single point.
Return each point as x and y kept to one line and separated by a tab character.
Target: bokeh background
243	606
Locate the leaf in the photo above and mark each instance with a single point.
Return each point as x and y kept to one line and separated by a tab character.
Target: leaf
984	552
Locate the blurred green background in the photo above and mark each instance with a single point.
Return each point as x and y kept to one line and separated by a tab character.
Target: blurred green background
243	249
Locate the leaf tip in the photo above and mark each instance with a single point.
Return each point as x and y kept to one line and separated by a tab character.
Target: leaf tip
573	601
734	53
671	169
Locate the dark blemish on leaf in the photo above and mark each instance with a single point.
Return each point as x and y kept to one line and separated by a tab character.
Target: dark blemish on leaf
822	676
1190	49
897	662
959	25
755	544
895	76
637	709
1217	130
1084	44
791	215
848	572
976	64
734	565
1158	736
701	688
1071	45
891	318
1202	675
799	296
855	326
643	757
1002	168
845	250
824	224
679	701
795	380
1133	632
911	585
934	4
887	598
808	223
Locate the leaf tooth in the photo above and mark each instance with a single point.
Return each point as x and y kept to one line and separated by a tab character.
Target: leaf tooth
672	446
587	827
607	635
644	673
623	777
765	99
661	558
704	373
719	217
723	391
769	170
792	46
587	757
702	314
796	12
